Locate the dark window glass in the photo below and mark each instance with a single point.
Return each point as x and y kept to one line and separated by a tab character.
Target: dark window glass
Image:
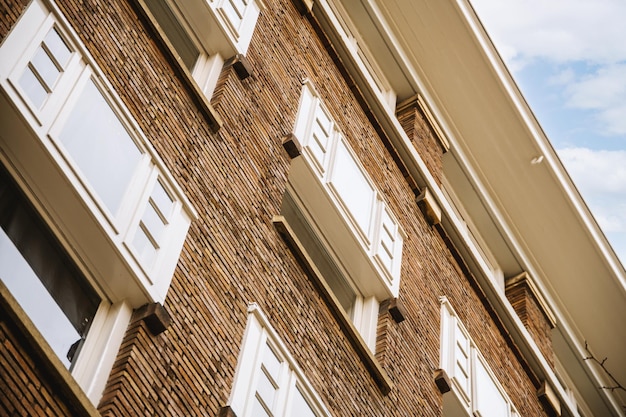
175	33
41	275
324	262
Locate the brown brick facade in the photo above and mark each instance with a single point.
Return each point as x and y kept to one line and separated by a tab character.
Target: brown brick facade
421	133
30	384
233	255
519	292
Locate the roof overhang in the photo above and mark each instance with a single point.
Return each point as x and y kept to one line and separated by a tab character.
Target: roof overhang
502	162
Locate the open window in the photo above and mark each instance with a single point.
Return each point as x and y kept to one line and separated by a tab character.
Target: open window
95	182
42	277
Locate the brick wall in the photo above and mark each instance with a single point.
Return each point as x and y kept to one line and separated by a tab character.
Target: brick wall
10	10
529	310
233	254
421	134
22	392
30	384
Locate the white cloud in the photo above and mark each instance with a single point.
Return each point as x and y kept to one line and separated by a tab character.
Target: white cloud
564	77
556	30
580	35
604	92
601	179
575	52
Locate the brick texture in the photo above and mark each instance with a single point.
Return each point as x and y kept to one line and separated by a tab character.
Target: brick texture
10	11
233	255
26	389
527	308
420	132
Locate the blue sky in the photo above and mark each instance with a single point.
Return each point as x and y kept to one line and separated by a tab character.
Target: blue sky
569	59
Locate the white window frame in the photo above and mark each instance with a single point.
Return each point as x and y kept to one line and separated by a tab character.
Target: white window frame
315	177
360	53
349	218
219	29
99	241
99	350
258	334
465	388
152	281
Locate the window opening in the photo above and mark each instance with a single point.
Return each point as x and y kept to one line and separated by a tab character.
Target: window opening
41	275
268	382
324	261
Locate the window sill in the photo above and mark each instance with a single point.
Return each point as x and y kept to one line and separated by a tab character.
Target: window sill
367	357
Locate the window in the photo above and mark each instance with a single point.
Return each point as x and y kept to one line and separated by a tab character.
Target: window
341	219
100	146
68	130
103	202
361	54
41	275
204	33
470	232
475	390
45	67
268	382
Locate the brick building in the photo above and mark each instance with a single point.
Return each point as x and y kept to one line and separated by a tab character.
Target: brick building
289	208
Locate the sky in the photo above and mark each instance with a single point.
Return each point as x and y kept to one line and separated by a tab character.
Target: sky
569	59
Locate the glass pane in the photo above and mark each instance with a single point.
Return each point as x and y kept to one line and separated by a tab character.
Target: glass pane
33	297
300	407
258	410
162	200
266	390
41	276
101	147
320	137
144	247
46	69
387	240
489	400
304	114
353	187
388	232
33	87
58	49
271	363
153	223
234	10
462	360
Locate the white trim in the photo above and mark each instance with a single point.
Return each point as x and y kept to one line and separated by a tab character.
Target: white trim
207	71
258	332
94	236
113	229
316	177
98	354
213	27
392	36
451	329
360	53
